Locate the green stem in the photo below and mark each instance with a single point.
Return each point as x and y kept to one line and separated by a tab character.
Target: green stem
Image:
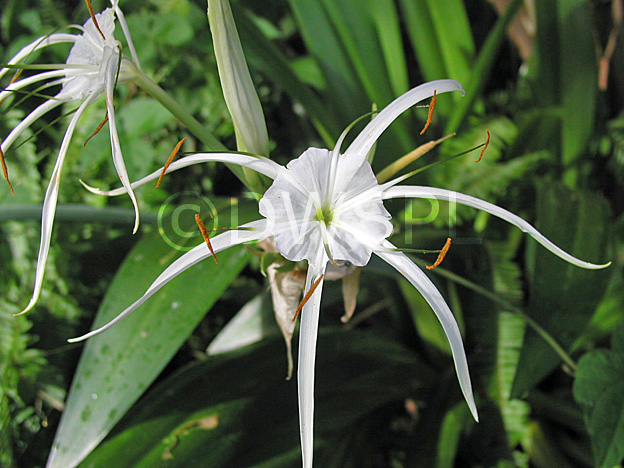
79	213
556	347
190	122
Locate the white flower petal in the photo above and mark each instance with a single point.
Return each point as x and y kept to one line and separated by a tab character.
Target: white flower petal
219	243
367	138
257	163
456	197
420	281
37	44
308	334
19	84
49	207
28	120
126	30
111	72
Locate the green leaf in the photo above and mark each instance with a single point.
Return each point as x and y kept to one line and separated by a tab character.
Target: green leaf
237	410
384	15
441	36
264	56
118	366
578	75
599	389
562	297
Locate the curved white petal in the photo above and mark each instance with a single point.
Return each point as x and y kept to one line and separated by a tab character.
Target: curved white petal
111	72
126	31
259	164
28	120
367	138
308	334
256	230
9	90
415	275
37	44
448	195
49	207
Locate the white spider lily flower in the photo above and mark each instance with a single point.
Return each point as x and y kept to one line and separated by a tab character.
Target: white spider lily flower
93	66
327	208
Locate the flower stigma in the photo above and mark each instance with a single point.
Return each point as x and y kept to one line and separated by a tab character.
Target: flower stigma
487	142
441	256
434	99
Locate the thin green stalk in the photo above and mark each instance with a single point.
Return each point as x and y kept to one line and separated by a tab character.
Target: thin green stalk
79	213
483	66
556	347
190	122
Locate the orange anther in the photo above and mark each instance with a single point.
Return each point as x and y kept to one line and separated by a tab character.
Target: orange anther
205	235
6	171
307	297
170	159
431	108
92	13
97	130
487	142
441	255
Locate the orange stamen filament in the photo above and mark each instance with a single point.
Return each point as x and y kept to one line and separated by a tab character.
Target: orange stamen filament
441	255
487	142
307	297
431	108
92	13
97	130
205	235
6	171
170	159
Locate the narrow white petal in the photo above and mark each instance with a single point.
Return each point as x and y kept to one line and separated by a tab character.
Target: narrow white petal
37	44
259	164
49	207
456	197
111	72
9	90
367	138
414	275
28	120
308	334
126	31
219	243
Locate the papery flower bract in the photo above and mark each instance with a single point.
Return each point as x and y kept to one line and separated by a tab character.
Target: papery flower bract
327	208
94	64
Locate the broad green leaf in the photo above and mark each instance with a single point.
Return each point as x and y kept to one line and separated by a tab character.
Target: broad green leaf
480	71
562	297
356	31
450	435
264	56
578	75
385	16
324	44
119	365
236	409
441	37
599	389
